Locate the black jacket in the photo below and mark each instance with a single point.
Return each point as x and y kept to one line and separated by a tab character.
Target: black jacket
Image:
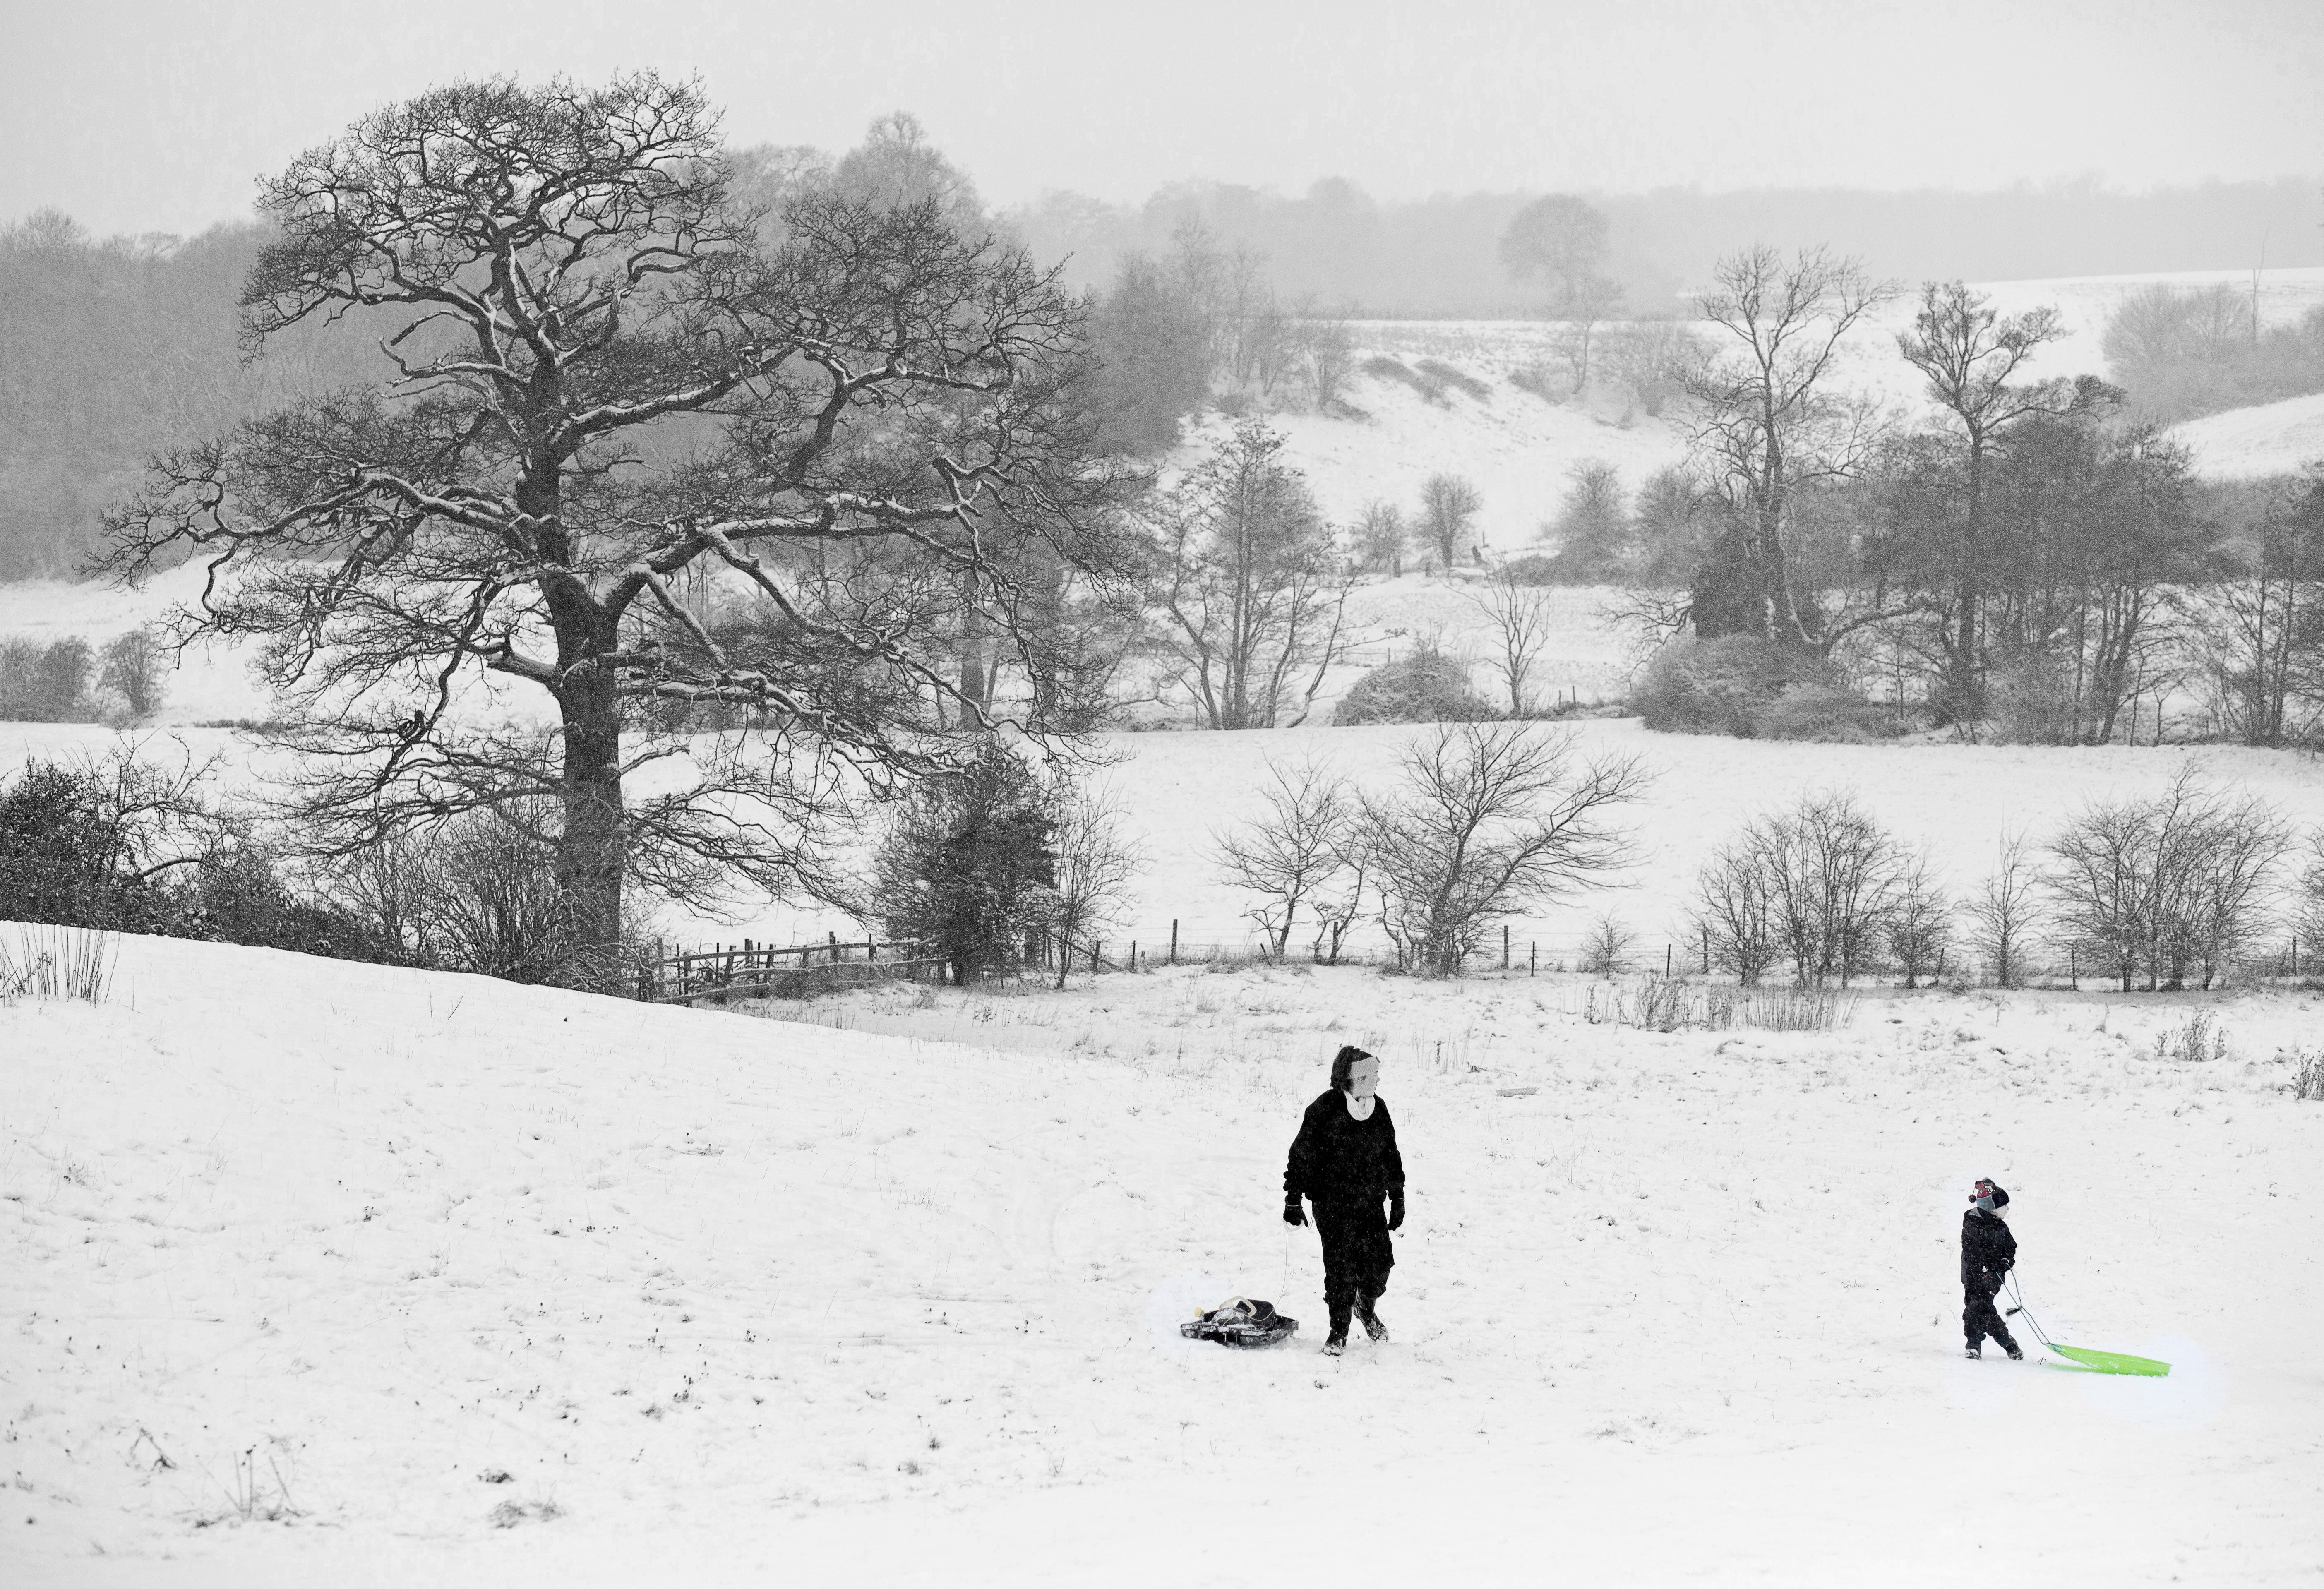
1988	1250
1339	1163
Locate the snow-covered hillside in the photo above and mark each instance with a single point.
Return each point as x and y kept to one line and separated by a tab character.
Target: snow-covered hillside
1519	448
2255	443
325	1273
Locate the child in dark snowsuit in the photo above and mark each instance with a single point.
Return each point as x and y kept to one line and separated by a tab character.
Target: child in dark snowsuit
1345	1161
1988	1251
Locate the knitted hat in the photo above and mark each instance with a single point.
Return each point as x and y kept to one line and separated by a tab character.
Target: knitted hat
1989	1196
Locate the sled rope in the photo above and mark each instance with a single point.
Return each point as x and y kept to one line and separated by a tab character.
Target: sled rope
2105	1362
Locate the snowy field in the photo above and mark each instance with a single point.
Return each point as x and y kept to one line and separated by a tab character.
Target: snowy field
496	1285
1178	792
2255	443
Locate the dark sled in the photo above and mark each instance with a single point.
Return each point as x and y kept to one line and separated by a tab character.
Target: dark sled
1239	1321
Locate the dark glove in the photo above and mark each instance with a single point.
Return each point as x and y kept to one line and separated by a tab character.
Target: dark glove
1395	1209
1292	1213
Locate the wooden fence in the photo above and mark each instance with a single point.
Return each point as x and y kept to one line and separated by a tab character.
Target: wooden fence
754	970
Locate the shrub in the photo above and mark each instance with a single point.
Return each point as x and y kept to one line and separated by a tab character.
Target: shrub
1753	688
1383	366
1534	568
2030	701
136	669
2165	885
1424	686
967	868
2196	1040
1608	947
45	684
1817	712
1817	884
1658	1003
1452	376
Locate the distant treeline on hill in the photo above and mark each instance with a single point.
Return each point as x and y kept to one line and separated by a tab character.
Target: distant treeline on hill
1438	257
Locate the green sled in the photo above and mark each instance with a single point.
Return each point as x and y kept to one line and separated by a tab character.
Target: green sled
2113	1363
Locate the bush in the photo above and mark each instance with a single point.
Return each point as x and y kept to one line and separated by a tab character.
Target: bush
1534	568
967	868
1820	713
2030	701
45	684
1426	686
1754	688
1817	884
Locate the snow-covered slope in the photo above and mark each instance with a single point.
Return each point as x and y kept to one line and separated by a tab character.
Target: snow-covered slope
1519	448
479	1284
2255	443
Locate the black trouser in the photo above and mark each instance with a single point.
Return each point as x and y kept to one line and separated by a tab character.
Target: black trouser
1979	1318
1357	1257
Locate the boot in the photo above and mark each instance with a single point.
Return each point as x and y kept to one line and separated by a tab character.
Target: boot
1975	1353
1371	1319
1335	1343
2015	1355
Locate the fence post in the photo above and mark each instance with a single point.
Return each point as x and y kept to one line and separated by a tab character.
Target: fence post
1133	954
1095	945
1533	959
1706	951
1173	940
1505	945
2074	969
2295	955
1667	951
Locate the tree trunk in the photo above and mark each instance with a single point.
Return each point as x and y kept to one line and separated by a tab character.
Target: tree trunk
592	849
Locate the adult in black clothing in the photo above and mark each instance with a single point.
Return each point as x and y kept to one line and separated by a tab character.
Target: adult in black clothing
1345	1162
1989	1249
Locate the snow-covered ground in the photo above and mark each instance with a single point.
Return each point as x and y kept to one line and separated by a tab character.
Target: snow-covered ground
2255	443
492	1285
1518	449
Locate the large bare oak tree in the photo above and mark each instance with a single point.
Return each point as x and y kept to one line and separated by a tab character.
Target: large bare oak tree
655	459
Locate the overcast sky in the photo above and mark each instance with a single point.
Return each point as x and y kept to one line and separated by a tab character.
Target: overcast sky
157	114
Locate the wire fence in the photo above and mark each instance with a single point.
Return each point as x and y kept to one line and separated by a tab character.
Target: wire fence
754	970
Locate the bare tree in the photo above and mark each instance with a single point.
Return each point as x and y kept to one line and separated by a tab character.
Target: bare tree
1329	350
1252	590
2171	883
1295	851
1518	627
1768	424
1486	820
1735	913
1449	506
2004	913
136	669
1608	947
598	374
1919	924
1580	312
2260	631
1381	536
1970	355
1825	876
1096	864
2308	901
1593	528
